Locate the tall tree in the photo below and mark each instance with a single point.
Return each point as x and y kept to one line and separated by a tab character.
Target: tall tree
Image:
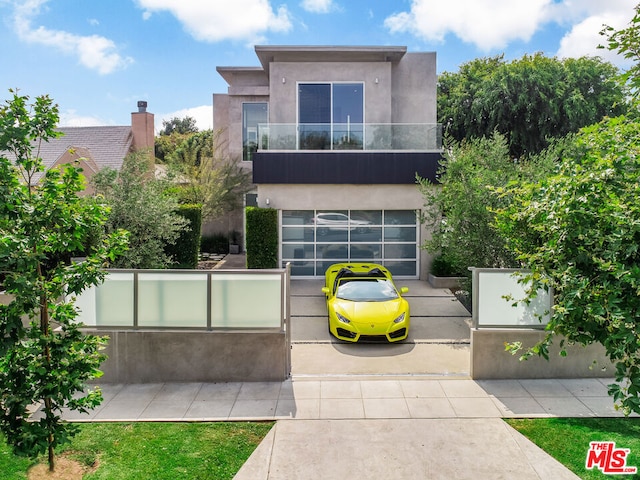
179	125
461	209
44	357
578	232
529	100
141	205
206	177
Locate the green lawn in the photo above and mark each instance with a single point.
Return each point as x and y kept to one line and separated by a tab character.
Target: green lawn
169	451
567	440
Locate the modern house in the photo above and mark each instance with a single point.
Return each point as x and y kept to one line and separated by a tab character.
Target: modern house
335	136
98	147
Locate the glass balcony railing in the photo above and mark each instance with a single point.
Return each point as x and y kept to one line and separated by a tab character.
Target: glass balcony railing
350	136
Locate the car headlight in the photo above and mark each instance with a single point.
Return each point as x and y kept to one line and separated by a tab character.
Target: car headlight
342	318
399	319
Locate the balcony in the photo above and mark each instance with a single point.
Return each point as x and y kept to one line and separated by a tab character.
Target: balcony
380	137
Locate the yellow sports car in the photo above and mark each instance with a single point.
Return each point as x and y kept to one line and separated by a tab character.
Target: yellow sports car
364	304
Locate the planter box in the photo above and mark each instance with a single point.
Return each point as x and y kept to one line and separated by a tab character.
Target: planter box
445	282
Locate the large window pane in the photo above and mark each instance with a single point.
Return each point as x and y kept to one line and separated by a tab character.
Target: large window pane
297	250
296	234
402	234
252	115
363	251
297	217
399	250
366	234
401	268
333	251
399	217
348	115
314	116
373	217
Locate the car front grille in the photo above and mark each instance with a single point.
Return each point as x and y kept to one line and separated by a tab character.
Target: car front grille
372	339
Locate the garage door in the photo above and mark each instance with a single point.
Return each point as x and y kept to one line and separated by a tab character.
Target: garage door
312	240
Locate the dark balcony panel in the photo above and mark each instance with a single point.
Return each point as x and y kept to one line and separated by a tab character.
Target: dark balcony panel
344	167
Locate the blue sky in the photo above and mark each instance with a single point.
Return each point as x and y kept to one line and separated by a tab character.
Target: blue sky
97	58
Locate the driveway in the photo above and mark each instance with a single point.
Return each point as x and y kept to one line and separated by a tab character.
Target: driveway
438	342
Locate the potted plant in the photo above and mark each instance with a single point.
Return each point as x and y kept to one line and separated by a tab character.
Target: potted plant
234	242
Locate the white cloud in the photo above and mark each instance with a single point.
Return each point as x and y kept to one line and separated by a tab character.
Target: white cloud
489	24
70	118
203	116
229	20
318	6
493	24
94	52
584	37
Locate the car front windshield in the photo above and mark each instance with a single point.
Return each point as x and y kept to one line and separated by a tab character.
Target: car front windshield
366	290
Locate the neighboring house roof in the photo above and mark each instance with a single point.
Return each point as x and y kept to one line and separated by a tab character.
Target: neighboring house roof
105	146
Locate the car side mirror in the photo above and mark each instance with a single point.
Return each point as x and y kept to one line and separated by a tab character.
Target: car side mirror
325	290
404	289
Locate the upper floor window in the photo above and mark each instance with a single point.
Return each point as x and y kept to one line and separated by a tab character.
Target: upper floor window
330	116
252	115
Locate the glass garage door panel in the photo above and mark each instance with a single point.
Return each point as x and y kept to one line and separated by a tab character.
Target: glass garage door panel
313	240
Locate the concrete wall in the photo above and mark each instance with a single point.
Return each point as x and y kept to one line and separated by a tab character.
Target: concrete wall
415	89
146	356
489	360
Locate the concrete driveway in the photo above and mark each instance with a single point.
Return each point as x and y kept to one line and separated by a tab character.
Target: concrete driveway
438	342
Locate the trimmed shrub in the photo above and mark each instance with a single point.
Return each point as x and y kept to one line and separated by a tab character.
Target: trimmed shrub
184	253
262	237
216	243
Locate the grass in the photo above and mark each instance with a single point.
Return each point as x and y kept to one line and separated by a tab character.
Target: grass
155	450
567	440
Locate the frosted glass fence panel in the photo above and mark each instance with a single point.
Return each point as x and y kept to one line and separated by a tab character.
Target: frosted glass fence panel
172	300
495	291
246	300
110	303
185	299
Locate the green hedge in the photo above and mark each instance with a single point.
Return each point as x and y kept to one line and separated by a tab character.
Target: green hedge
262	237
185	251
216	243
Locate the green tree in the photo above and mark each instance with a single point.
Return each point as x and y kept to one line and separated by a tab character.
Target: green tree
626	42
529	100
460	208
208	178
44	357
141	205
179	125
578	233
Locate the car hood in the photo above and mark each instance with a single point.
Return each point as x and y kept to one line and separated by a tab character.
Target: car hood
359	312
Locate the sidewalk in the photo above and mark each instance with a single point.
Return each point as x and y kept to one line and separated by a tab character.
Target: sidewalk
374	428
334	398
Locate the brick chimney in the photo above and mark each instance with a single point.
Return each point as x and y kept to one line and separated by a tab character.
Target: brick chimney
143	130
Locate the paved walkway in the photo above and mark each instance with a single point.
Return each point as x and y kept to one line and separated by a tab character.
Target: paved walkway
374	428
343	398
